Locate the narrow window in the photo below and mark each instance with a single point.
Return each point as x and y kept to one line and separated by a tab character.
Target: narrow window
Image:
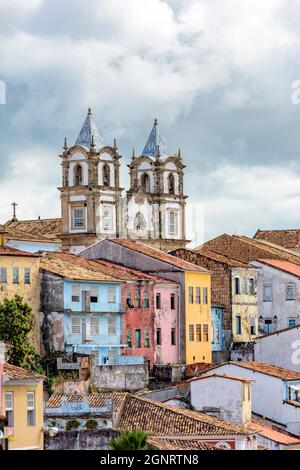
137	298
129	338
146	339
191	333
268	326
75	293
205	296
112	353
198	295
146	299
171	184
112	325
106	175
173	336
158	301
86	295
251	286
158	336
107	218
267	296
198	333
94	294
78	175
75	325
237	285
78	218
26	275
173	216
128	298
205	333
191	295
290	292
238	325
253	326
30	409
173	302
145	182
9	408
137	338
95	325
111	294
16	277
292	322
3	275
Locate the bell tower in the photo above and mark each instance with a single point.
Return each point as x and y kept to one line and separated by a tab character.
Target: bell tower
90	190
155	200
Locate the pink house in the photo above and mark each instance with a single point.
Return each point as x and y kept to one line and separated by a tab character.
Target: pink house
166	327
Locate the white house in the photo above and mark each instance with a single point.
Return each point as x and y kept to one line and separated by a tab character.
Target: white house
275	391
278	294
223	396
281	348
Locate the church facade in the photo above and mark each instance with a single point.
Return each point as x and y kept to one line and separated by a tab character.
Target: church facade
94	205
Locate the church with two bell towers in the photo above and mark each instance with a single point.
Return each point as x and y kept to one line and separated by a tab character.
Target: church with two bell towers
94	205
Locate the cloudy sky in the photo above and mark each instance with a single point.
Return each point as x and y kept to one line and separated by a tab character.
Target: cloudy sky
217	74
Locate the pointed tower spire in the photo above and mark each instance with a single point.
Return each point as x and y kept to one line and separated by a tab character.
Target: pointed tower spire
155	140
89	130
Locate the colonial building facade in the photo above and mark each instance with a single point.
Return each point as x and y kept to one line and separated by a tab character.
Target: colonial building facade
94	206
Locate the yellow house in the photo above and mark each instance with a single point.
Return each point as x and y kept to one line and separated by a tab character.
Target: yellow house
19	275
198	317
22	404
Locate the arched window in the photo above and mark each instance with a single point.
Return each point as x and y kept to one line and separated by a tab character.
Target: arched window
251	286
145	182
106	175
139	222
78	175
238	325
171	184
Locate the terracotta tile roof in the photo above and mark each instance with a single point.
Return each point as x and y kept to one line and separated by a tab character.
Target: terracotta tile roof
221	258
289	238
223	376
74	267
15	234
158	254
268	369
18	373
51	228
179	444
161	419
286	266
275	435
131	274
8	251
246	249
98	400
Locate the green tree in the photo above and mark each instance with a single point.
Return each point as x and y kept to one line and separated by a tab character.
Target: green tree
15	325
131	440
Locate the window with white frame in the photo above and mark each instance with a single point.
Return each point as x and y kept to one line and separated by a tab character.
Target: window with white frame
112	325
26	275
9	408
16	276
75	325
95	325
76	293
173	223
267	293
107	212
111	294
78	219
30	409
290	291
3	275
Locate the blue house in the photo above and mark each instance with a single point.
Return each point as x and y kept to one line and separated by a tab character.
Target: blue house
82	310
217	328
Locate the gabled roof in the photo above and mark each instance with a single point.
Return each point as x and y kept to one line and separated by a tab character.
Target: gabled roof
157	254
89	130
275	435
49	228
222	376
155	141
8	251
264	368
18	373
285	266
218	257
289	238
161	419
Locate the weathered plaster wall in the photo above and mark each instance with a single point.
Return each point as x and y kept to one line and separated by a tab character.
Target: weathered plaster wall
166	319
81	440
124	377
